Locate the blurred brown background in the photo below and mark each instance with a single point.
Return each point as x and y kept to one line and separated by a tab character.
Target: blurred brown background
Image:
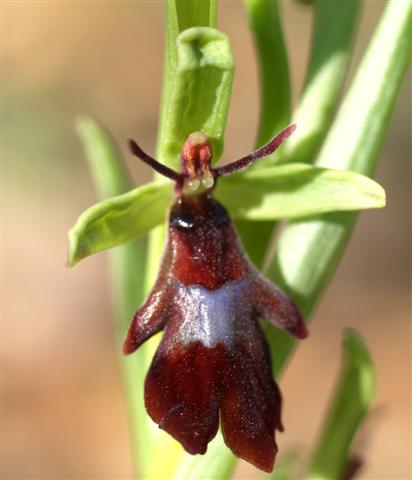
64	416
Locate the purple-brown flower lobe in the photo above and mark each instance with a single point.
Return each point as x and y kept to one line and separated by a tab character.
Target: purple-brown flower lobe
213	360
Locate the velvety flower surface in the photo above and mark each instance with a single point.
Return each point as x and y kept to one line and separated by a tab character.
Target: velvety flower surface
213	360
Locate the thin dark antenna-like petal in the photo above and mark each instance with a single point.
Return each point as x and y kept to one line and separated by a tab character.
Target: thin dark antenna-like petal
159	167
264	151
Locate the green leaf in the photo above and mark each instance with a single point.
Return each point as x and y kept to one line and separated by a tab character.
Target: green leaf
296	191
119	219
265	24
126	261
308	252
351	401
200	92
333	34
358	132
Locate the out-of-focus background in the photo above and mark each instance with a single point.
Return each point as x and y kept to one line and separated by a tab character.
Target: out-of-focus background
64	416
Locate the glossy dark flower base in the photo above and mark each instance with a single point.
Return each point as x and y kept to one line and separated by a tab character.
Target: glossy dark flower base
213	358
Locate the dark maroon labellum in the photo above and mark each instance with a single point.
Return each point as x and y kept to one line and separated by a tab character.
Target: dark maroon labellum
213	358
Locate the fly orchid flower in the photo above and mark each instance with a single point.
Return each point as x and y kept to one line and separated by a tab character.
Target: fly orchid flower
213	359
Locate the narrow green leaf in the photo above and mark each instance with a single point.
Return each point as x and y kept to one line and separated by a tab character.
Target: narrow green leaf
296	191
358	132
265	24
126	261
308	252
200	94
119	219
351	401
333	34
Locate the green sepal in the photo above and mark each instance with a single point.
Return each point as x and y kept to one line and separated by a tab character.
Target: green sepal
297	191
273	193
119	219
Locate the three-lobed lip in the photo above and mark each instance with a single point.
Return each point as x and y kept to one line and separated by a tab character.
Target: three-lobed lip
213	361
